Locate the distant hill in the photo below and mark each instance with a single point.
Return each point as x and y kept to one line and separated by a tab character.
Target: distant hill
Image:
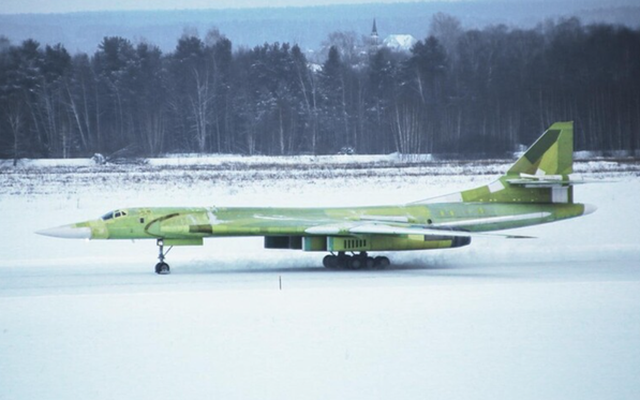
307	26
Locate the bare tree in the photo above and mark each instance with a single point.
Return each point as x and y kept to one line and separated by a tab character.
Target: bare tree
407	129
15	119
447	29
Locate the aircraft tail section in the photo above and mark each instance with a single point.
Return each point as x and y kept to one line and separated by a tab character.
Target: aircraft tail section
541	175
551	154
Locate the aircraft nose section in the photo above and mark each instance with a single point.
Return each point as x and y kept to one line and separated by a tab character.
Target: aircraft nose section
588	209
67	232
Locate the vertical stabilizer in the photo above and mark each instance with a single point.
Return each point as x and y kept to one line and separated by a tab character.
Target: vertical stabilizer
551	154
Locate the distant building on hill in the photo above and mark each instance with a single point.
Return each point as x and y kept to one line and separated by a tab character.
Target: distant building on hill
374	34
399	42
396	42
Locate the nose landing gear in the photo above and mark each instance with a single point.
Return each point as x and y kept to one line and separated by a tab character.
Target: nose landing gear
162	268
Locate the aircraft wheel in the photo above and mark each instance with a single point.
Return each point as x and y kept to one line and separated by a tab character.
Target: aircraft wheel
162	268
330	261
369	263
343	262
381	262
356	263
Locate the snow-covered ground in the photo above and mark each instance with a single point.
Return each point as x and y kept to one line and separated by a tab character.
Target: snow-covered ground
556	317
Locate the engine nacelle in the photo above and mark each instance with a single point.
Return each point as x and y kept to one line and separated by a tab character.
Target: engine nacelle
394	243
364	243
283	242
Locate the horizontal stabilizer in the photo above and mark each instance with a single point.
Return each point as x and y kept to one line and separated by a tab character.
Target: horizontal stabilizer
549	181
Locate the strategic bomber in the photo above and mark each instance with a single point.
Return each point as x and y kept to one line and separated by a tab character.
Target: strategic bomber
537	189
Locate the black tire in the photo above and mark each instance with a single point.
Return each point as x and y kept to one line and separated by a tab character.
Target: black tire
330	261
356	263
381	262
343	262
369	263
162	268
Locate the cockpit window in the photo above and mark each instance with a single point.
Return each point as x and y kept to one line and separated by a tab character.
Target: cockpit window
114	214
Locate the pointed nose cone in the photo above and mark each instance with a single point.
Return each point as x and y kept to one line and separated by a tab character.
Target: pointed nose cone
588	209
67	232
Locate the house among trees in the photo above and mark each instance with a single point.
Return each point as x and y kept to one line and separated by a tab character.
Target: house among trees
395	42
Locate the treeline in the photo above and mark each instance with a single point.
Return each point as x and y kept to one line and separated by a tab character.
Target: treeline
457	91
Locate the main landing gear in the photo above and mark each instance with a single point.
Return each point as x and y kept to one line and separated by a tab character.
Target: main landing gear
162	268
359	261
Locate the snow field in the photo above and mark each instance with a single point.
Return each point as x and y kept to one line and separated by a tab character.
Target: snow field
556	317
497	340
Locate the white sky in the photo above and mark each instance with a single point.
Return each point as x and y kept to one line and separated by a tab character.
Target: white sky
63	6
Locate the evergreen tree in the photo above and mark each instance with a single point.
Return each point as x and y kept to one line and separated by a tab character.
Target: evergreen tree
334	132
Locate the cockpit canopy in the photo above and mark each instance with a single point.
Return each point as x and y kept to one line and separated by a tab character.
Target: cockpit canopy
114	214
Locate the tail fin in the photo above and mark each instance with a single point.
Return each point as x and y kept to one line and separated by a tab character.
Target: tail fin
551	154
541	175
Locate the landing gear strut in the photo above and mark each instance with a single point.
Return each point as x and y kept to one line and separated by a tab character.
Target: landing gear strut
359	261
162	268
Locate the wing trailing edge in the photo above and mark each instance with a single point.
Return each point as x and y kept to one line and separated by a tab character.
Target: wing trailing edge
349	229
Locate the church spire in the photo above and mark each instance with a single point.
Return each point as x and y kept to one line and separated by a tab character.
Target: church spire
374	33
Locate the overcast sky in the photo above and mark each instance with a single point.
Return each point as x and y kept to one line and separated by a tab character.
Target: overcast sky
63	6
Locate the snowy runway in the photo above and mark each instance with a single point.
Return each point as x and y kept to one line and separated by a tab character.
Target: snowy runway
501	331
555	317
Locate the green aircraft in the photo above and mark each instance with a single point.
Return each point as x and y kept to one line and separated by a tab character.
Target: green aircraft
537	189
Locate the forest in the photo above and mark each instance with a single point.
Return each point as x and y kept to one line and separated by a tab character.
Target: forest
458	92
